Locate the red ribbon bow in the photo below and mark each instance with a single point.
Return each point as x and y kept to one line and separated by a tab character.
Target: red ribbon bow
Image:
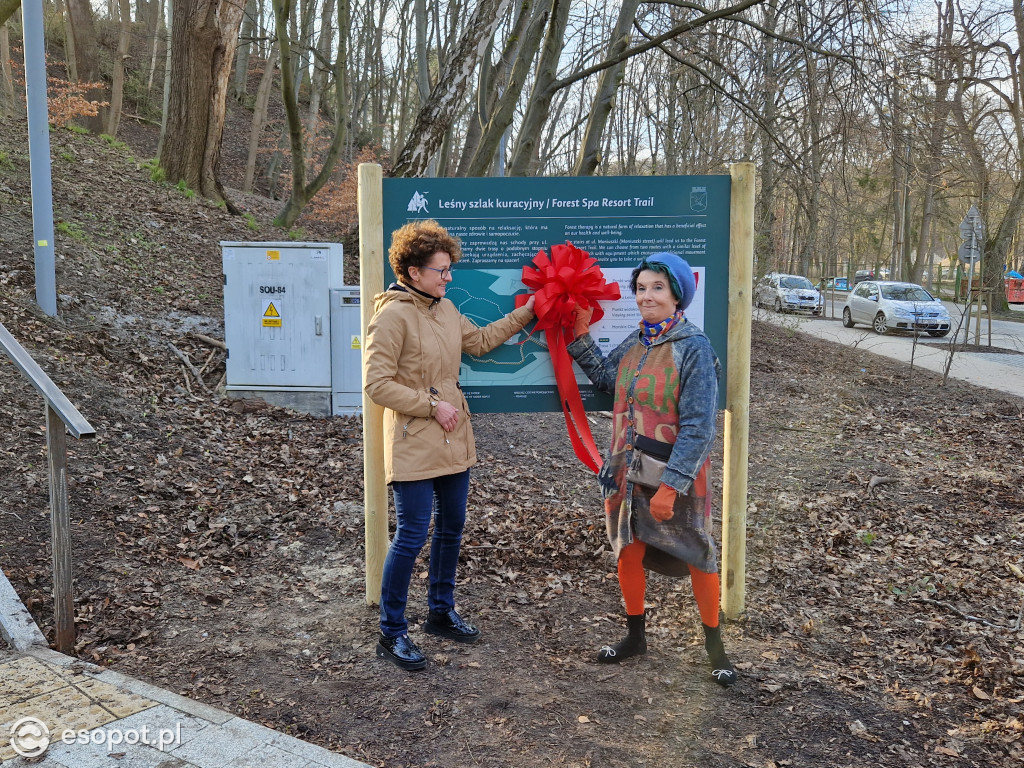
567	279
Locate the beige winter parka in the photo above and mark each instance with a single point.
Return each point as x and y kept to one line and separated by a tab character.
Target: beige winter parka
413	352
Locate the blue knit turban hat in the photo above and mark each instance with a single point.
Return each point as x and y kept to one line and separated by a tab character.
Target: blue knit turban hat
684	284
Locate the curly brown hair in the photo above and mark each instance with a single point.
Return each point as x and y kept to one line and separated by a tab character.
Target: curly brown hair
415	243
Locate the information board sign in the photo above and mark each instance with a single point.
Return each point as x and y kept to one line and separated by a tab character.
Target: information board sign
503	222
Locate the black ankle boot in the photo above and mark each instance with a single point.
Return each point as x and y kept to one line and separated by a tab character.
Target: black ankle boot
634	644
402	652
721	668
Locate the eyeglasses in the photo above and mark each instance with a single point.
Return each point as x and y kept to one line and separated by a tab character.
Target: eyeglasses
445	273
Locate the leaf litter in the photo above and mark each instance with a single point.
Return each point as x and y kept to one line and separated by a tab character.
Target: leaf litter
218	544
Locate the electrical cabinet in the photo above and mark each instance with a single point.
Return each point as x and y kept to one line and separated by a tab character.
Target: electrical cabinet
346	352
278	324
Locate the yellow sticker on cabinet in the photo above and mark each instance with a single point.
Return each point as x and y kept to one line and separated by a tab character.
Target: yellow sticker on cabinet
271	313
273	255
356	344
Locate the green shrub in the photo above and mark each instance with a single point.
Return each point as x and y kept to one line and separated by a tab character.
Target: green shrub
114	142
156	173
71	230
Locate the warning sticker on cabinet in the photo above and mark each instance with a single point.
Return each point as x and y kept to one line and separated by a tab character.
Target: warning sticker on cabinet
356	343
271	313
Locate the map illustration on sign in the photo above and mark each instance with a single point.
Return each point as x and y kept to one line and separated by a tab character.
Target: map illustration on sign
502	224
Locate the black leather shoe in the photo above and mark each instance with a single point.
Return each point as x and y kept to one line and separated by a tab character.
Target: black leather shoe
402	652
452	626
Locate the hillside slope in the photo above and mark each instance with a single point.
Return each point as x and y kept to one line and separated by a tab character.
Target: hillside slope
218	545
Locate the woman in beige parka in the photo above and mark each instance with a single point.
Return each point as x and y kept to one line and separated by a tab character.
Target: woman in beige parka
414	347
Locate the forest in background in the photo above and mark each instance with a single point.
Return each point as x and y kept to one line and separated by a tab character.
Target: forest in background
874	126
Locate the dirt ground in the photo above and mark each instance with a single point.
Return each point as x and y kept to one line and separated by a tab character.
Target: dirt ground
219	545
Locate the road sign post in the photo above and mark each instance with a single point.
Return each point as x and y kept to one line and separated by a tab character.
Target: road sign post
972	232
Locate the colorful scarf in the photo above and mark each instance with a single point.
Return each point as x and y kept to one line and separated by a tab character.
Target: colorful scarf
651	331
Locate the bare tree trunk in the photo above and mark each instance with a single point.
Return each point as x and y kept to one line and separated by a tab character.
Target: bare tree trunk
259	118
377	94
69	40
607	86
524	154
120	62
240	84
301	192
502	107
399	98
8	102
435	117
765	219
318	83
7	9
87	65
165	108
203	39
157	37
423	66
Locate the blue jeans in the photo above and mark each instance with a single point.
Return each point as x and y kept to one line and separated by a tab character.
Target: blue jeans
416	501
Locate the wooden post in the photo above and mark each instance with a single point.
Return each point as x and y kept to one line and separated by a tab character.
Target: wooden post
371	282
988	306
979	296
60	531
737	393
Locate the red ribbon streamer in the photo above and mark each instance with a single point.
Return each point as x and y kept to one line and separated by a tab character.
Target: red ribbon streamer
569	277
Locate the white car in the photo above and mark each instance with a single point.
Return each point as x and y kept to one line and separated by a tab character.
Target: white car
890	306
788	293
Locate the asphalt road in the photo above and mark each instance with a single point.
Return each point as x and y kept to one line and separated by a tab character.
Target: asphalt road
999	367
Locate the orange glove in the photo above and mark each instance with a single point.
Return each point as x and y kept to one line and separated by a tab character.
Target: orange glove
581	320
662	503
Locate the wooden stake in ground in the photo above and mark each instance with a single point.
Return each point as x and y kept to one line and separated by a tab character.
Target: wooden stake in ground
371	282
737	392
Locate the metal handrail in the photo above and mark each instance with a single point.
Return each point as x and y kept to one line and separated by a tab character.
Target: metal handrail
60	415
75	421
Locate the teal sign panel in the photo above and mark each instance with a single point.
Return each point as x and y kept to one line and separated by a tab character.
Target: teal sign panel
618	220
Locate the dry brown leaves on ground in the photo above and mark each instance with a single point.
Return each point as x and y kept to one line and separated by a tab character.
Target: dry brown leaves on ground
219	545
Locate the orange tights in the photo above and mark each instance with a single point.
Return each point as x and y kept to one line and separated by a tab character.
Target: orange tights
633	581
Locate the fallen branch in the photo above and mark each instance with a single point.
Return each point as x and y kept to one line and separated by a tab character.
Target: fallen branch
211	341
209	360
961	614
877	480
188	364
554	525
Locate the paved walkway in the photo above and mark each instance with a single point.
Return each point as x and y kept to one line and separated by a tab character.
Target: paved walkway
995	370
59	712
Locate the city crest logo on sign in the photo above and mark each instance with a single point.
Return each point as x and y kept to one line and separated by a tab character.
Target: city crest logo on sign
698	199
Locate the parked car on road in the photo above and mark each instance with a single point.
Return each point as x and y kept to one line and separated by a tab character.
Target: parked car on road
863	274
837	283
890	306
787	293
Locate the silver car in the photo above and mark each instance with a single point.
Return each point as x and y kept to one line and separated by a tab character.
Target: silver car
890	306
788	293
